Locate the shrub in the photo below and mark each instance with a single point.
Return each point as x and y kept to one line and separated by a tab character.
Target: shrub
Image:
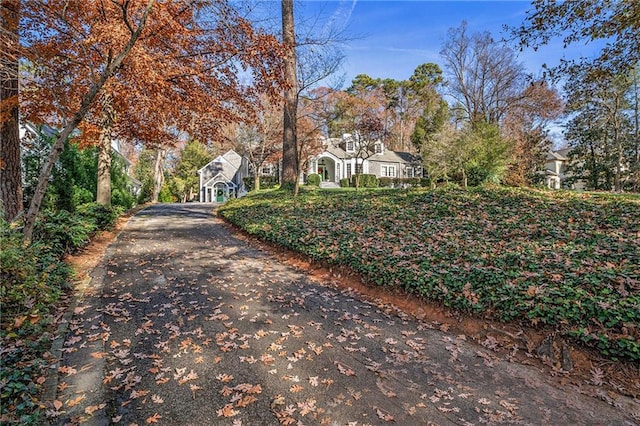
314	179
123	198
166	196
30	277
103	217
366	181
344	183
266	182
386	182
31	281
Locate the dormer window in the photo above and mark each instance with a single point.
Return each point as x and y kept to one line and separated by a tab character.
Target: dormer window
350	145
377	148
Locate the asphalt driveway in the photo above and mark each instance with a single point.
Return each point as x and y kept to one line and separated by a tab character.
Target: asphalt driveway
186	324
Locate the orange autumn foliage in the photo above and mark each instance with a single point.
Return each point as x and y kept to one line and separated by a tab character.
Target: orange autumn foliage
182	75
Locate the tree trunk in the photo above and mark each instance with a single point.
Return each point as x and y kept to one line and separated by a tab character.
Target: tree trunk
290	170
103	193
85	105
158	174
256	180
10	162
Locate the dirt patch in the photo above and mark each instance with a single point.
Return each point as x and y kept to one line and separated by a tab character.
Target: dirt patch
592	373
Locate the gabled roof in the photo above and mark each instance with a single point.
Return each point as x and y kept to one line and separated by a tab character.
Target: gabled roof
220	177
230	158
558	155
233	158
394	157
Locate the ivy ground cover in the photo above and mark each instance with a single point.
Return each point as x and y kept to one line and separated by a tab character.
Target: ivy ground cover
562	260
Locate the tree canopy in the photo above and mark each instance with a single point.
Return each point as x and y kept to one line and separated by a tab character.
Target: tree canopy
615	22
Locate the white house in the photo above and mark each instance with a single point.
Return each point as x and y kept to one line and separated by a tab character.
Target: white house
556	170
340	159
222	178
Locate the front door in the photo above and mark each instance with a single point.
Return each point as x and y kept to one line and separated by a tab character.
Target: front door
321	171
219	195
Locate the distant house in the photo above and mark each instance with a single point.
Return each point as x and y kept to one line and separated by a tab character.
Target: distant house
29	132
222	178
556	173
340	160
135	186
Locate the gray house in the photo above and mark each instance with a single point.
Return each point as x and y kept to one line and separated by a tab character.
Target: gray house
222	178
340	160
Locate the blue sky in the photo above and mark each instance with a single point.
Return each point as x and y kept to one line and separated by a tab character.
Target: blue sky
393	37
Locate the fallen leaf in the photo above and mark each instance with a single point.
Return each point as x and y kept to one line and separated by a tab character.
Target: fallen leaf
224	378
344	370
153	419
246	400
296	389
93	408
227	411
384	415
75	401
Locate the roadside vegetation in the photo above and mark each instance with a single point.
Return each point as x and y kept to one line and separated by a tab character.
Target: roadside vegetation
563	261
34	278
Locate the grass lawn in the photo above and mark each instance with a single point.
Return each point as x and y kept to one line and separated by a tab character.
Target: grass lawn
563	260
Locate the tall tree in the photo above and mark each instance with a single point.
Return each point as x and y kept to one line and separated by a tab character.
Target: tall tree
261	141
10	164
634	102
158	173
134	22
484	76
180	75
615	21
600	128
290	169
184	178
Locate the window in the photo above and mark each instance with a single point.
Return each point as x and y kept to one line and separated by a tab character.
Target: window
358	169
266	170
350	146
411	172
348	171
388	171
377	148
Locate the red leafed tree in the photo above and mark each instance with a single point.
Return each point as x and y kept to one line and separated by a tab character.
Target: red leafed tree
158	69
525	125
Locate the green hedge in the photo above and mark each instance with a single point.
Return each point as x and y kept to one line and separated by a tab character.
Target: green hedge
266	182
344	183
366	181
